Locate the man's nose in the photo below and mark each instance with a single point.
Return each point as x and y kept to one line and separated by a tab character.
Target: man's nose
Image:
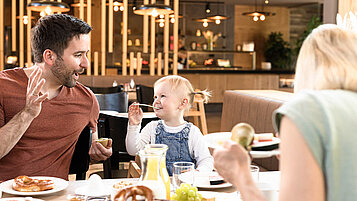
84	62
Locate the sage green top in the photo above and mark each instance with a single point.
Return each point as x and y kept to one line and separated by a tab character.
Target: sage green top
327	119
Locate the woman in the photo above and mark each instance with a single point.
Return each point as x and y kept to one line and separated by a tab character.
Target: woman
317	128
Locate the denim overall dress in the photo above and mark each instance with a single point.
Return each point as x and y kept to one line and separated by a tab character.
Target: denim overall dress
178	145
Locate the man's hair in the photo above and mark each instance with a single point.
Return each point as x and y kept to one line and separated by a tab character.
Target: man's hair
328	60
54	32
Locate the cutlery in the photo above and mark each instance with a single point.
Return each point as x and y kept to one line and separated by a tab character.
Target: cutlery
140	104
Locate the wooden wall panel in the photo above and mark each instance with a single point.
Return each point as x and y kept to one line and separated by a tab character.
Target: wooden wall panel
245	30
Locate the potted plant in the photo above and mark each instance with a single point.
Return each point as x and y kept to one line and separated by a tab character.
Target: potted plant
277	51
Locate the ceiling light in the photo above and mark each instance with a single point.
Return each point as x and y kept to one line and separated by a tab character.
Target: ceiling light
266	1
172	20
52	6
204	20
153	10
258	14
218	18
208	10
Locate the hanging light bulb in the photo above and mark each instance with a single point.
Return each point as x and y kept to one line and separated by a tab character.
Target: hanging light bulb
172	20
218	21
161	24
116	8
48	10
255	18
121	8
205	24
154	13
266	1
161	16
40	5
26	19
208	10
262	17
42	13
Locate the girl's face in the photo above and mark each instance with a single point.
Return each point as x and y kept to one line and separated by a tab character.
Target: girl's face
168	101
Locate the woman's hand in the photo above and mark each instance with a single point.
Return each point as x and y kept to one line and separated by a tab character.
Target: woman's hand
232	162
135	114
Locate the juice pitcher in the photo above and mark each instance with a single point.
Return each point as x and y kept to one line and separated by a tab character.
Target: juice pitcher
154	172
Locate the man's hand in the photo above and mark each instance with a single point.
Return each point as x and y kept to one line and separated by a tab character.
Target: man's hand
98	152
33	98
135	114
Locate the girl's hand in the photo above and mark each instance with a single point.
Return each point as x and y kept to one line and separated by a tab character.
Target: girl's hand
135	114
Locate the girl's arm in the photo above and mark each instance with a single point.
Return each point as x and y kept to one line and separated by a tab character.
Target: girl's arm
199	150
136	140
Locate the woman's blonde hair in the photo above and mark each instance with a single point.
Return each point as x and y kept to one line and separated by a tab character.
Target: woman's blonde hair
328	60
183	85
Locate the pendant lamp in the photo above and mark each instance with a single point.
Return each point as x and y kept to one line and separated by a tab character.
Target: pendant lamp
43	5
258	14
218	18
153	10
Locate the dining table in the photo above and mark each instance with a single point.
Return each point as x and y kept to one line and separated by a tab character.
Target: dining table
271	178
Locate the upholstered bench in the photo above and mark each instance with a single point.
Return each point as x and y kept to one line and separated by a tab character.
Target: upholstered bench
256	108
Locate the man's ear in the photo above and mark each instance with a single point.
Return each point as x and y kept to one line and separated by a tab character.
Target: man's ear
49	57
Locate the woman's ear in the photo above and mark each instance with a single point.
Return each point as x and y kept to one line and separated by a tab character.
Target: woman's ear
49	57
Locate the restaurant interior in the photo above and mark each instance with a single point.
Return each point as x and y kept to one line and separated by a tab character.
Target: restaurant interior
242	51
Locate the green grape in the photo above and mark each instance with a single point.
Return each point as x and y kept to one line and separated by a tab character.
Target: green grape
178	191
191	199
191	193
195	189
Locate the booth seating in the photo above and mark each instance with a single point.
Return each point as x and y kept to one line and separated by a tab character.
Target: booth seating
256	108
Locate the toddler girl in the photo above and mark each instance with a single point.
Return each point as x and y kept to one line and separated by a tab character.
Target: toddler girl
173	95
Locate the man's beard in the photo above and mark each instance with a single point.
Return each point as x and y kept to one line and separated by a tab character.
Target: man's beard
60	71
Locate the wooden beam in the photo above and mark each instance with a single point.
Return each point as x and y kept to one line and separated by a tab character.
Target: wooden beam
125	38
103	29
176	10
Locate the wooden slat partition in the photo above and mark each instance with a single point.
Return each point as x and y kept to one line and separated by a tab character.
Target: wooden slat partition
176	10
159	63
89	21
125	37
166	41
1	36
110	27
13	25
29	15
132	63
96	63
21	29
152	46
139	64
81	9
103	29
145	30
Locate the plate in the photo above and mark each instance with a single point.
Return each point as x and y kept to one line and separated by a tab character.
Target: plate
59	185
259	149
201	180
20	199
216	140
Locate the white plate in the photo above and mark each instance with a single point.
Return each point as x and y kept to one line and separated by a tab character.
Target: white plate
20	199
59	185
201	180
216	140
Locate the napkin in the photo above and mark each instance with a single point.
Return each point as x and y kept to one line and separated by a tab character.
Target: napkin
95	187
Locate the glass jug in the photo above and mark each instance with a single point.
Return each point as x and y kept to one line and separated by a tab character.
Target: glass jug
154	173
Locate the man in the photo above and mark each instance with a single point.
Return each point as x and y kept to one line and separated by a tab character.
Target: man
43	109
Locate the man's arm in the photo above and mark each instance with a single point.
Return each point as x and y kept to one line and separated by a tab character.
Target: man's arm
12	131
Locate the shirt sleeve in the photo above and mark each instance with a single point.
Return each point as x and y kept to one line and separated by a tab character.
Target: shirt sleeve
136	140
199	150
94	114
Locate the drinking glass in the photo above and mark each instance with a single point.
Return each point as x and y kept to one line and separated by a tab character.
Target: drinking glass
183	172
254	170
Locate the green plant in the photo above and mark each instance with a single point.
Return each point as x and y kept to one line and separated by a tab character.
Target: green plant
277	51
311	25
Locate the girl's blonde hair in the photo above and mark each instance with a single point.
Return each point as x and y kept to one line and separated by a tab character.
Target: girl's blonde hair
181	84
328	60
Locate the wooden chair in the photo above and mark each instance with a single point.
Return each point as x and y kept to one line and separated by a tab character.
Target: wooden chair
134	170
198	111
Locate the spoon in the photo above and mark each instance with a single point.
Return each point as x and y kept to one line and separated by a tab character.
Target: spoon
140	104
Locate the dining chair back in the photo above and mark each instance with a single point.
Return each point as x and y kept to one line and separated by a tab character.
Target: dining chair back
198	113
134	170
106	90
80	159
145	94
113	101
